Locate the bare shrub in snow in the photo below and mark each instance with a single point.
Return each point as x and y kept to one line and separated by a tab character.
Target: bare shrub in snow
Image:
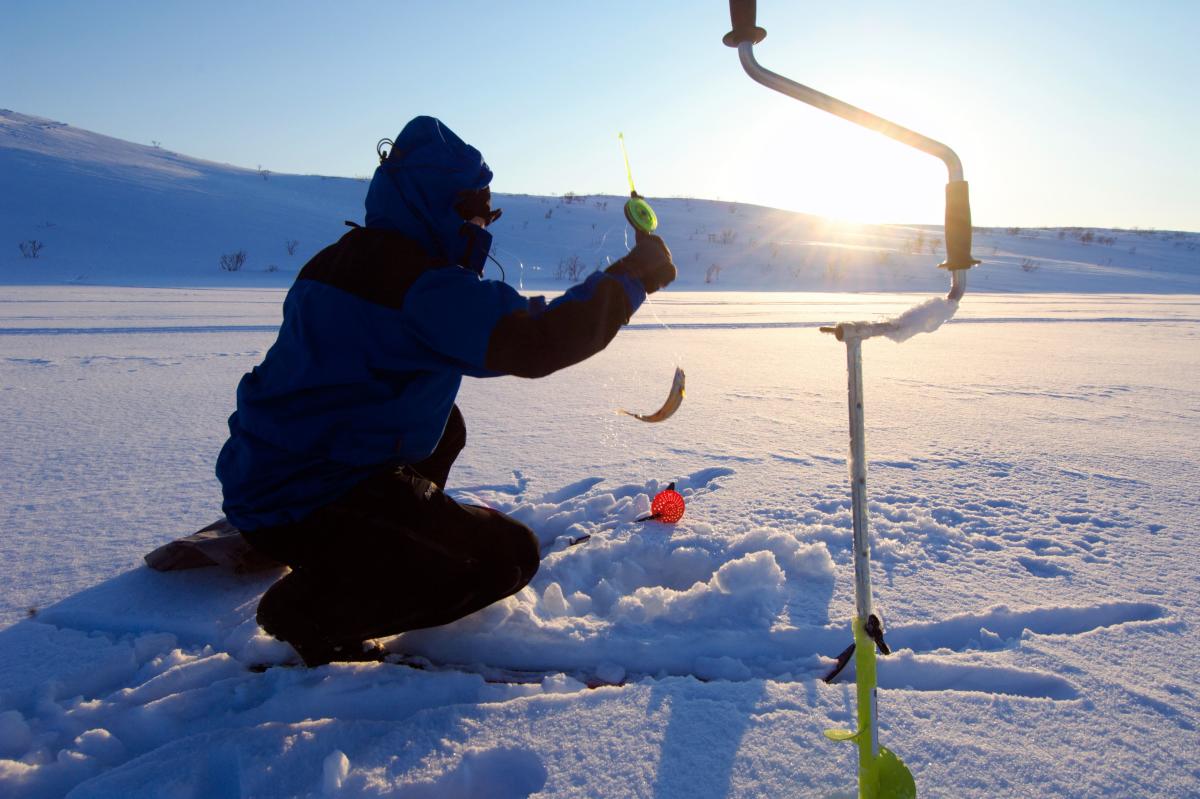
263	173
728	235
290	244
569	268
31	248
1030	265
712	274
272	268
233	261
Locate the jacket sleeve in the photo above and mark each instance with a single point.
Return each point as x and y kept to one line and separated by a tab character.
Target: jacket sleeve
489	329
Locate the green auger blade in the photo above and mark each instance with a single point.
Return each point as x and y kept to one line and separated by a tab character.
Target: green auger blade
895	780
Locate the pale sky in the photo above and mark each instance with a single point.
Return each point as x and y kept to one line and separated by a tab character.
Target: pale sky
1063	113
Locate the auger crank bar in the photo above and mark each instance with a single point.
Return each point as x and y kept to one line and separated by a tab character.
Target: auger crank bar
746	34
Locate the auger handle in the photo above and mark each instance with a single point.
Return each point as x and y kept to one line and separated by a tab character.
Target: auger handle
958	227
746	34
742	14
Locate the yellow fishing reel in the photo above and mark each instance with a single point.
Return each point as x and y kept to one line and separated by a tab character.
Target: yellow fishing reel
637	210
640	214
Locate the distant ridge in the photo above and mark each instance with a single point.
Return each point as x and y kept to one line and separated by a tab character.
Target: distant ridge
99	210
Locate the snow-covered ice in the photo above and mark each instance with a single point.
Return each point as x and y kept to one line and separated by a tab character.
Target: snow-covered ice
1032	483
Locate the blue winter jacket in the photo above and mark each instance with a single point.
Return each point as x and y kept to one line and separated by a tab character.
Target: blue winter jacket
378	331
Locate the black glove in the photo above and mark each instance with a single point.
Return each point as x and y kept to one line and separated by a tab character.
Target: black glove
649	262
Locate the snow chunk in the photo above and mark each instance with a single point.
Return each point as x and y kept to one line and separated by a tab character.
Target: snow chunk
581	603
15	736
264	648
797	559
15	772
924	318
102	745
553	601
747	590
721	668
147	646
743	575
193	672
336	768
562	684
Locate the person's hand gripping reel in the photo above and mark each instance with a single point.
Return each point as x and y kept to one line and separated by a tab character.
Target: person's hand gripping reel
649	261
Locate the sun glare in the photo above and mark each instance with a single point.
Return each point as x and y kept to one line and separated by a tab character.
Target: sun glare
830	168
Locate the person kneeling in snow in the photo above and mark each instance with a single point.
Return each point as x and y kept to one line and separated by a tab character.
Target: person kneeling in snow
344	435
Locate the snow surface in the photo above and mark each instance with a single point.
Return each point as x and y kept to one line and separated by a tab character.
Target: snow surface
1032	483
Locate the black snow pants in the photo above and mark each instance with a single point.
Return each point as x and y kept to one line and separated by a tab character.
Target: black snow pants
394	554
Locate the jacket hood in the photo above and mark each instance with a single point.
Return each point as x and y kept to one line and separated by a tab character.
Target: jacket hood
415	190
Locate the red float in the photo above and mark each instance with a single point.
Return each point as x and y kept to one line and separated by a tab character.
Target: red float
667	506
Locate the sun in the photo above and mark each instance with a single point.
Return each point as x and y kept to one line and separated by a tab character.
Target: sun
821	165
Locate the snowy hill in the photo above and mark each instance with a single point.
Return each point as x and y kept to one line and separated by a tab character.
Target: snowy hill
112	212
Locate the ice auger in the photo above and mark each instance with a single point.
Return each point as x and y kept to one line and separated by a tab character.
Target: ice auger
881	774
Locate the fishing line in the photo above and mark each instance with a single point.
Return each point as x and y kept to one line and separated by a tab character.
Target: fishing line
503	276
642	218
512	256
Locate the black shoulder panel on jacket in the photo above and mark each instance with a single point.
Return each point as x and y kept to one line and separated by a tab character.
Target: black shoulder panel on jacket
377	265
536	344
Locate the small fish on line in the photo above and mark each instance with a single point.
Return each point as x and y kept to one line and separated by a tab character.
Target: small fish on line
674	400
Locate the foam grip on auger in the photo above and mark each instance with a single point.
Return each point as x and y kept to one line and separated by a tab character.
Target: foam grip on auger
958	227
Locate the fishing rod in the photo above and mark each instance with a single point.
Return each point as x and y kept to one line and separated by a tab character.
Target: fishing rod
881	774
